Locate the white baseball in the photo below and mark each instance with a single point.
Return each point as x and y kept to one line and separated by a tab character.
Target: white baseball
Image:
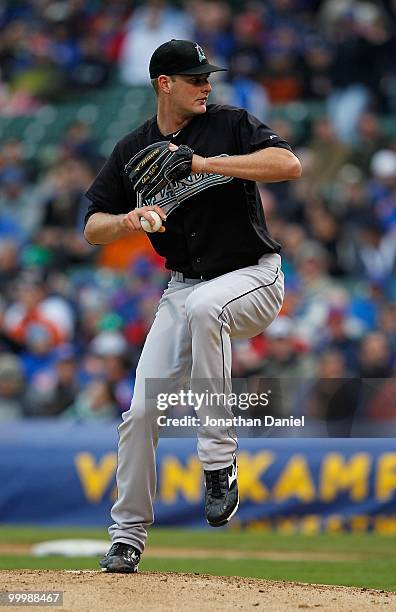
146	224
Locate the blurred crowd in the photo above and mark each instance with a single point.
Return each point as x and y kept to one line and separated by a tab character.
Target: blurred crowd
340	52
73	318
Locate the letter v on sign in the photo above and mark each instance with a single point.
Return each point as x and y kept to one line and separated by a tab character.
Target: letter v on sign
95	478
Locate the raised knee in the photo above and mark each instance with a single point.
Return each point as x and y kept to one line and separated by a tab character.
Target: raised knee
199	310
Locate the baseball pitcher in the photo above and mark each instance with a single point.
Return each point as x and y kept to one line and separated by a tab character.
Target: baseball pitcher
195	165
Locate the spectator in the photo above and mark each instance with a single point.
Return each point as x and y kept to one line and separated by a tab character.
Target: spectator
316	64
382	407
148	27
19	203
115	356
331	398
369	139
246	358
317	289
375	365
11	158
92	70
293	61
285	367
13	403
328	155
118	374
95	402
63	213
362	39
352	198
375	356
325	229
78	143
372	253
382	188
34	304
9	263
58	385
340	337
387	324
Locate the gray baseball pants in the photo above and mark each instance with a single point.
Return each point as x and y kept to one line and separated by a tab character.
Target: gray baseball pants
190	339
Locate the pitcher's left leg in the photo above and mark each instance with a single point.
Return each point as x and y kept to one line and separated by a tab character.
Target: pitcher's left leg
240	304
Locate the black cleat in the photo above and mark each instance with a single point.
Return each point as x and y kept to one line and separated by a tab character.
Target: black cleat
122	558
221	494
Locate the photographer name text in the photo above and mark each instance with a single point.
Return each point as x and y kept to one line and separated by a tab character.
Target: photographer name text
236	421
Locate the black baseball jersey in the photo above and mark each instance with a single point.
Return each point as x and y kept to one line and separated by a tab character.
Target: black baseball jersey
215	224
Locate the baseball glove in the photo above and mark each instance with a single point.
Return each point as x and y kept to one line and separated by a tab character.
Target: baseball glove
156	166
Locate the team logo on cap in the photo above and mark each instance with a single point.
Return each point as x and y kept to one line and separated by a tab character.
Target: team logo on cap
201	54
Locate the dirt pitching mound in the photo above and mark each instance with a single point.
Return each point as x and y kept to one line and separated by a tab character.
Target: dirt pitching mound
85	591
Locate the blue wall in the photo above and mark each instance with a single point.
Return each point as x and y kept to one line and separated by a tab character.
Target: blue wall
60	473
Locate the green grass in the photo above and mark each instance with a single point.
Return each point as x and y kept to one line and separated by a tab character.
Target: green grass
363	544
31	535
374	567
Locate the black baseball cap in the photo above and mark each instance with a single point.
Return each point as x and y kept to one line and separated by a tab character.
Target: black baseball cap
180	57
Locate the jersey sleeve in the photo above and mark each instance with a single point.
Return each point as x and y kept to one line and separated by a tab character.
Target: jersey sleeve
255	135
108	192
